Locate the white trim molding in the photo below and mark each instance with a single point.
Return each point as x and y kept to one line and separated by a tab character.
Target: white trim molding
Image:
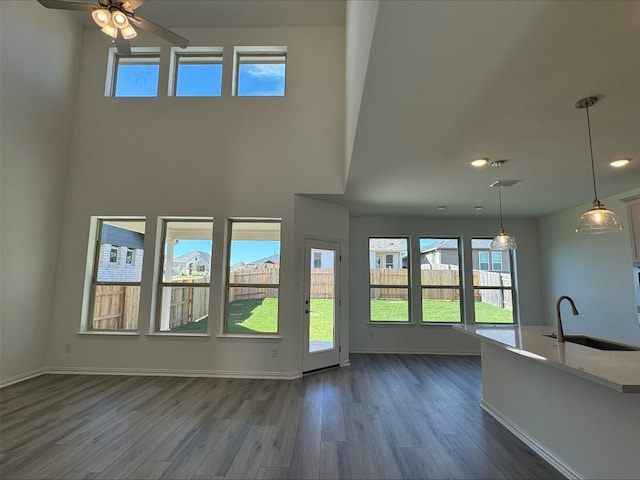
531	442
22	377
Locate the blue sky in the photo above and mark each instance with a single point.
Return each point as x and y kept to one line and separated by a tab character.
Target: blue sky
241	251
141	80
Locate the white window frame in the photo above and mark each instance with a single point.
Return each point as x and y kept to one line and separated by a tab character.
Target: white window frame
458	287
487	262
91	273
162	283
498	254
265	55
229	285
406	286
199	55
145	54
513	288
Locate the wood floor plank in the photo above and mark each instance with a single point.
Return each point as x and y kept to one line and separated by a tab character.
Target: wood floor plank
282	441
332	428
305	459
246	462
421	464
386	416
272	473
360	444
334	461
223	452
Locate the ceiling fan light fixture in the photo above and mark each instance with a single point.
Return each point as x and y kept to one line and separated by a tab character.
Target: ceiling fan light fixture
597	219
129	32
101	16
111	30
119	19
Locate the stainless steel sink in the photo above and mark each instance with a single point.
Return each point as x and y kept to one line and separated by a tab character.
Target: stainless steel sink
598	343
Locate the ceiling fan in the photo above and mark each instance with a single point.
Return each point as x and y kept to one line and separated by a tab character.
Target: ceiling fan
117	19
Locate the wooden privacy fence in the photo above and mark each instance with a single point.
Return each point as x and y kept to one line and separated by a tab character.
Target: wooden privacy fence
258	275
116	307
501	298
188	304
442	275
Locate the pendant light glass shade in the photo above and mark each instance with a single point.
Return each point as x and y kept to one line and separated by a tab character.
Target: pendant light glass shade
597	219
502	241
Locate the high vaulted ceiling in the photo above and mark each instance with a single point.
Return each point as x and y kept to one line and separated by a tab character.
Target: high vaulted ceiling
449	81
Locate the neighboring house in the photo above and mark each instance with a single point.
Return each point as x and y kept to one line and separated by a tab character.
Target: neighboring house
445	252
387	252
322	259
121	253
195	262
271	260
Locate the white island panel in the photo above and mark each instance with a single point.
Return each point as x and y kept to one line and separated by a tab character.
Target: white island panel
578	407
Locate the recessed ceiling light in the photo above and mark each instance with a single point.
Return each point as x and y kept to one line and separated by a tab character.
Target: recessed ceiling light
478	207
479	162
621	162
442	207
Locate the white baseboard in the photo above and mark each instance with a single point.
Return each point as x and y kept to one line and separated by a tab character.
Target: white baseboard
22	377
531	442
174	373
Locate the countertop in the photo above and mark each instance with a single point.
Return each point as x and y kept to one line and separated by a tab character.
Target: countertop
619	370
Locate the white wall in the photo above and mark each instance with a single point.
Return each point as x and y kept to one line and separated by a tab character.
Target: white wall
38	69
325	221
595	270
432	338
222	157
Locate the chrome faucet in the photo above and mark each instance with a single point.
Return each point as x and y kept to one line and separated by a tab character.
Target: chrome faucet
560	332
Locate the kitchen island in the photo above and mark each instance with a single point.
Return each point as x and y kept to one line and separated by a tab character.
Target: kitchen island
577	406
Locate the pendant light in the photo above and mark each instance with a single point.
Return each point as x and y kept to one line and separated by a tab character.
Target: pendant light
502	241
598	219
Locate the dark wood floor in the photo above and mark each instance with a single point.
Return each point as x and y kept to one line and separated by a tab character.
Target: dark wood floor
386	416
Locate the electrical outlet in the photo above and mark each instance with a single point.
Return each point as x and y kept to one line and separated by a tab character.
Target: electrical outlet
274	352
67	348
370	333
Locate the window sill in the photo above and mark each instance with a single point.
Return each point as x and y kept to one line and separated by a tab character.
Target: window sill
109	333
244	336
178	335
392	324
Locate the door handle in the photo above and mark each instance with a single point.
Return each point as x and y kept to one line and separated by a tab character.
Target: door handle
307	311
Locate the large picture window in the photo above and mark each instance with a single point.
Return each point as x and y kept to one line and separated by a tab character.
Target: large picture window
493	283
115	284
253	277
389	280
440	280
183	290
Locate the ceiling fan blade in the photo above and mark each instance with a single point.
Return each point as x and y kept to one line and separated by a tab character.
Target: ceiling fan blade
132	4
162	32
123	45
60	5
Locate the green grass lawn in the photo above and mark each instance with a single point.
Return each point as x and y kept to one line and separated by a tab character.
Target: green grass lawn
437	311
260	316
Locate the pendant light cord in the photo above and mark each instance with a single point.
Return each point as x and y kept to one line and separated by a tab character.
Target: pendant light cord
593	169
500	197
